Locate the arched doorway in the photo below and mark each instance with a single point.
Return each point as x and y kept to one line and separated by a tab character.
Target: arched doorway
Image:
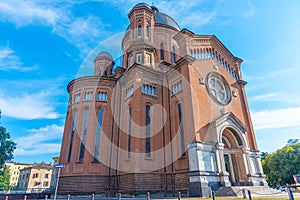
233	157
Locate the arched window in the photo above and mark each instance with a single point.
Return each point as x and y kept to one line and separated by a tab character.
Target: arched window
72	136
148	139
98	135
162	52
181	132
129	131
83	134
173	54
139	30
148	30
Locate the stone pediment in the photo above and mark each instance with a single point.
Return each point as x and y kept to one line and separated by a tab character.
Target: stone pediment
228	120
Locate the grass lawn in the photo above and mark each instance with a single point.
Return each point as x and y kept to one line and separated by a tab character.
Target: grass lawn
253	198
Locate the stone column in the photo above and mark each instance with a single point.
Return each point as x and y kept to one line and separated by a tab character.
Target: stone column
224	175
246	160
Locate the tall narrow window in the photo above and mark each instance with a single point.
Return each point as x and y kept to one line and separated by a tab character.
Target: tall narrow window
162	53
138	58
148	139
83	135
181	132
98	136
130	61
139	30
72	136
147	31
129	131
148	59
173	54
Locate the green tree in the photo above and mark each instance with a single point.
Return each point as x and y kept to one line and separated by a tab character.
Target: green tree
4	179
7	147
280	166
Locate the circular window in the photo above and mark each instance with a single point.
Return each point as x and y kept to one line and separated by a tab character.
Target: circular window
218	88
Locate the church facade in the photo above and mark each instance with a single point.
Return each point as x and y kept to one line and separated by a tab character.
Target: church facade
174	117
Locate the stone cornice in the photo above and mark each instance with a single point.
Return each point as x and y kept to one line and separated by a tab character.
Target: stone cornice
93	80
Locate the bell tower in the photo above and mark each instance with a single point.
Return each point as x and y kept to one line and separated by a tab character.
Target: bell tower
138	44
103	64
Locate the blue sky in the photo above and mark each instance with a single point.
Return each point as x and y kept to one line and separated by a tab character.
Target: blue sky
43	45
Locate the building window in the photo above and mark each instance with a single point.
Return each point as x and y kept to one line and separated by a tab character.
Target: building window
35	175
46	184
218	88
98	135
173	57
129	131
88	96
148	89
139	58
129	91
148	59
139	30
182	142
147	29
148	136
46	175
162	52
101	96
177	87
83	135
76	98
72	136
130	61
35	183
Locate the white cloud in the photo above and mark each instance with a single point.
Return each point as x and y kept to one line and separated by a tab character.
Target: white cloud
27	12
10	61
195	14
266	97
83	32
38	141
28	106
281	118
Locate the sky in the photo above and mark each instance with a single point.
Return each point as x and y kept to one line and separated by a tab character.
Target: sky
44	43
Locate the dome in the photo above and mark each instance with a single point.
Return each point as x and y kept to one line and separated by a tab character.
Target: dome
142	5
104	54
160	18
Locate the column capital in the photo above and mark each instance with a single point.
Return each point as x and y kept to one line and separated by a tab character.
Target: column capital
219	146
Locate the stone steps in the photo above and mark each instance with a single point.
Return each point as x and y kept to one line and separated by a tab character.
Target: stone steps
237	191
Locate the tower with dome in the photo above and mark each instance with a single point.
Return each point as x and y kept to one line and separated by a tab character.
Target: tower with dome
172	118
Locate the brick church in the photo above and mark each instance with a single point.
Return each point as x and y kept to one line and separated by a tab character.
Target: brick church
172	117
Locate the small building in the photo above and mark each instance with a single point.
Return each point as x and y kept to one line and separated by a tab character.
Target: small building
35	178
14	172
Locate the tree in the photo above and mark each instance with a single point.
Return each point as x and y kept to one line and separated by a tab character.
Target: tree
280	166
4	179
7	146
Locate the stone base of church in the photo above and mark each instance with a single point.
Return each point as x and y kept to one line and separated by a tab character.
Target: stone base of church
257	180
129	185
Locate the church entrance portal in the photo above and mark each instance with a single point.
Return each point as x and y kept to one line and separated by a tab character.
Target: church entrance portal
233	157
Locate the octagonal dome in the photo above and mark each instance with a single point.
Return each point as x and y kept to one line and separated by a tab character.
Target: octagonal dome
104	54
160	18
